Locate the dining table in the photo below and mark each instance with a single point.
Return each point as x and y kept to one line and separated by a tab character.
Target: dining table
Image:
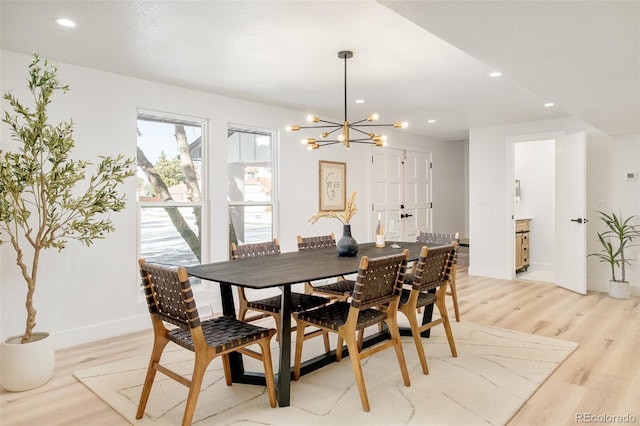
282	271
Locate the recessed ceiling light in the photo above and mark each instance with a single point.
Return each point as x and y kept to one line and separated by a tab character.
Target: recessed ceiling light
549	104
495	74
431	121
360	101
65	22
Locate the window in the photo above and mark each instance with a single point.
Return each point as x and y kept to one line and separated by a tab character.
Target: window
251	185
170	193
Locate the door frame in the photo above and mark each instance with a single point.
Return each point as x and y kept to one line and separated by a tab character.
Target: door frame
404	151
510	223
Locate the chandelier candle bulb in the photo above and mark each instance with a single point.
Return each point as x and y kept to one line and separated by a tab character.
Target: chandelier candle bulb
379	233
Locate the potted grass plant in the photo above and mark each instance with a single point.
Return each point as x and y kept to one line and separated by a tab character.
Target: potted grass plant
45	201
618	236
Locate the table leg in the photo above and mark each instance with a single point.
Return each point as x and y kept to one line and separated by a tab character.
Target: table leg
284	372
229	309
426	318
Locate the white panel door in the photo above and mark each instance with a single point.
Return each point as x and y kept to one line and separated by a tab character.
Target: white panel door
571	208
402	191
387	184
417	194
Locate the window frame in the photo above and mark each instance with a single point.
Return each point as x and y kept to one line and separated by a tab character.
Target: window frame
203	204
275	196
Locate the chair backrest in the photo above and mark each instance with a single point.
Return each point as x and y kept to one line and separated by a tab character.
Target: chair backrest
266	248
379	280
321	241
434	267
434	237
169	296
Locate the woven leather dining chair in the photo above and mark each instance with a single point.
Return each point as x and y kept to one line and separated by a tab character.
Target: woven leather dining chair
339	289
270	306
433	237
379	283
170	300
432	275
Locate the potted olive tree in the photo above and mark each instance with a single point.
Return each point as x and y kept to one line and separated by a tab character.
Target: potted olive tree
46	200
618	236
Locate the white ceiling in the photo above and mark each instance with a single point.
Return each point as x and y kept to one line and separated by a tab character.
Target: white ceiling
413	60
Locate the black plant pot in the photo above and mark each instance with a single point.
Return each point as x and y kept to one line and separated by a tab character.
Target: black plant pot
347	245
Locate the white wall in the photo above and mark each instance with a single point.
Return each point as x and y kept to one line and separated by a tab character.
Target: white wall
450	177
490	183
611	192
89	293
534	167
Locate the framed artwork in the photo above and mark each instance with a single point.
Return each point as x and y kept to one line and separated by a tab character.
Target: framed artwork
332	189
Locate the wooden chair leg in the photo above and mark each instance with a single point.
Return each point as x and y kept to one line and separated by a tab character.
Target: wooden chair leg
276	318
454	294
159	343
361	337
392	323
297	360
442	308
339	348
327	346
268	370
226	366
417	339
242	308
199	368
354	355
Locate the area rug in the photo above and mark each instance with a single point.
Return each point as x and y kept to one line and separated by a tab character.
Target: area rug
495	373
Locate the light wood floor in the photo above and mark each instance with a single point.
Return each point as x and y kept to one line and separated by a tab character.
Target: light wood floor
602	377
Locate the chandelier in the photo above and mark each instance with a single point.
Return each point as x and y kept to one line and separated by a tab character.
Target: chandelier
349	130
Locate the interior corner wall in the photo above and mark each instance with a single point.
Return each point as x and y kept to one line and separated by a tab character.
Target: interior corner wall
85	294
450	191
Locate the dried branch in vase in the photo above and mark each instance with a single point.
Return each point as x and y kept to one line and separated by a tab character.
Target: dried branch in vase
344	217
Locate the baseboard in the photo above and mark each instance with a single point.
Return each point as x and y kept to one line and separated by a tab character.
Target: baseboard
78	336
488	272
603	286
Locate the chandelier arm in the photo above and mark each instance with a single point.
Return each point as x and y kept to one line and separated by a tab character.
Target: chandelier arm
358	122
330	122
335	125
361	131
365	141
334	130
375	125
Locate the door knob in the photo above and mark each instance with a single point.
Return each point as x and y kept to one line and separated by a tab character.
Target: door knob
580	220
405	215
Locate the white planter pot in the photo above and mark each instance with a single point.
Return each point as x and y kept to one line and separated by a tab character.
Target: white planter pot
26	366
619	289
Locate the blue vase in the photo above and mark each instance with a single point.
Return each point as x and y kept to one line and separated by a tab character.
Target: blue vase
347	246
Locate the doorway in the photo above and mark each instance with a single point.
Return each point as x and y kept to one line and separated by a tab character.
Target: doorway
569	206
534	202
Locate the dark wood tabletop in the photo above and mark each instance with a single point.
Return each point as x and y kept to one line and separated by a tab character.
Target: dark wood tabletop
294	267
